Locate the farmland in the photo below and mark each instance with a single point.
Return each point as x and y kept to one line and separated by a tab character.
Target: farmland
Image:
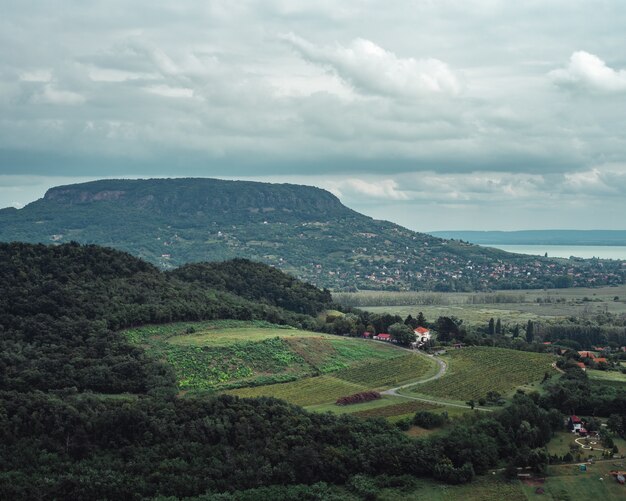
389	373
230	354
511	306
474	371
308	391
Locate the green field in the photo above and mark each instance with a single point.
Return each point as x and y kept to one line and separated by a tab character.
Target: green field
514	306
365	376
230	354
611	376
474	371
567	482
308	391
390	373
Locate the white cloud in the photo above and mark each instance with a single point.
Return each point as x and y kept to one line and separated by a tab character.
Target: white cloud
587	71
167	91
113	75
38	75
383	188
51	95
372	69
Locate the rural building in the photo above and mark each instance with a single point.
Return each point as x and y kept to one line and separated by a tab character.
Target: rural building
383	337
367	334
587	354
574	423
581	365
601	359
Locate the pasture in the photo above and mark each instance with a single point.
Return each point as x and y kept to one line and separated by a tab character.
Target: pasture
474	371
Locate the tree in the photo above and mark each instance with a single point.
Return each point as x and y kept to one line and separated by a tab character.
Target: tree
402	333
516	331
421	320
411	322
499	327
530	331
448	329
491	329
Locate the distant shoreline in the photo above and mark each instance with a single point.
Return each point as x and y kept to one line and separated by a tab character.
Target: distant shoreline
600	238
617	252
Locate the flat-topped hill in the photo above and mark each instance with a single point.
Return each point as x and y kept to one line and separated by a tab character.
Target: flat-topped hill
303	230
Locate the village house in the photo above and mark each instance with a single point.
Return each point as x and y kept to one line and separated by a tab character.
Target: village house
383	337
574	423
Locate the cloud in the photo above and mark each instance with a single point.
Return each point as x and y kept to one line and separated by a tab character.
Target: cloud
586	71
38	75
383	189
374	70
51	95
167	91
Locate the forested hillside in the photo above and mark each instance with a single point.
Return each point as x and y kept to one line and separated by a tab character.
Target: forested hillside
302	230
85	415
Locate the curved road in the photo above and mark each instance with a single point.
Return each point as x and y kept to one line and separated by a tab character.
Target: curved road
442	370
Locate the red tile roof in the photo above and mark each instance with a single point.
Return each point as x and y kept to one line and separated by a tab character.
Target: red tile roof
575	419
587	354
421	330
601	359
384	336
580	364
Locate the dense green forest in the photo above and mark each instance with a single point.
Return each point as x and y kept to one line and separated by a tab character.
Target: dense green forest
85	415
303	230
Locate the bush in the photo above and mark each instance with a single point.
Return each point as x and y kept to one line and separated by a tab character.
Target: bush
357	398
428	420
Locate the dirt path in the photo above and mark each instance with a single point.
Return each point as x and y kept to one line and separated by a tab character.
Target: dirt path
443	367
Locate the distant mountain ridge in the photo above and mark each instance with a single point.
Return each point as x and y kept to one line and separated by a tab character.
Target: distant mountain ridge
302	230
538	237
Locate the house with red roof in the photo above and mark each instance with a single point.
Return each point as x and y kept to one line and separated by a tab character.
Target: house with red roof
422	335
367	334
587	354
574	423
601	359
581	365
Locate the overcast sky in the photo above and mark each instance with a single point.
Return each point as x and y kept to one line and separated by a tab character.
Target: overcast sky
436	114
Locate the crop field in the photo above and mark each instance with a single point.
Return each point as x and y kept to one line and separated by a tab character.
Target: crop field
410	407
334	353
512	305
389	372
474	371
231	354
308	391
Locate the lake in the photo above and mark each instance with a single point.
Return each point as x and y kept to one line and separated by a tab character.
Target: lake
585	251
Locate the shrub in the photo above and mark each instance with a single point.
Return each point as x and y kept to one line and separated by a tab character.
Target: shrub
357	398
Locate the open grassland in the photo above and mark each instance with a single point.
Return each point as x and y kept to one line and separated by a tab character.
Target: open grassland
512	305
308	391
474	371
611	376
568	482
230	354
386	373
482	489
